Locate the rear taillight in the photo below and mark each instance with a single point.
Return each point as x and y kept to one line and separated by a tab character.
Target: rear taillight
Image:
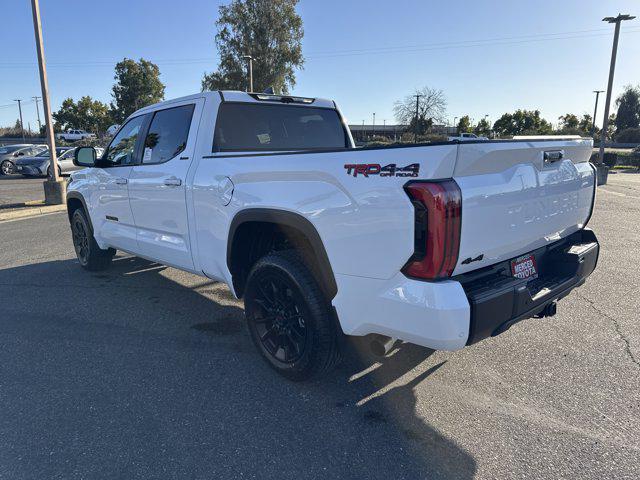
438	211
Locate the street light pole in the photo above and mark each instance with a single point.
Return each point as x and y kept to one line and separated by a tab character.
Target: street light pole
250	58
38	113
54	187
19	100
373	128
595	111
415	135
614	51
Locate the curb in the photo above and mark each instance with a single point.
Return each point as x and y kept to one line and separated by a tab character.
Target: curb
32	212
31	203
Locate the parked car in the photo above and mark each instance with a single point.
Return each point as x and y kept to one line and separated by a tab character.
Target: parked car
112	130
449	244
466	137
10	153
39	165
75	135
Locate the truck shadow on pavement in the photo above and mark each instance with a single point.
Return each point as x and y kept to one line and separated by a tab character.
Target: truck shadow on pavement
143	371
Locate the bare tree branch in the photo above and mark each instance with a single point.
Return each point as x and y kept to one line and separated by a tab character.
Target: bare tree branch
432	105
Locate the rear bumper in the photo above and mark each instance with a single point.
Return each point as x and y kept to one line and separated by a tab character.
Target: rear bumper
497	300
449	314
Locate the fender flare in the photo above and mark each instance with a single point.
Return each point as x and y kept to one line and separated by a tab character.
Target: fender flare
78	196
292	220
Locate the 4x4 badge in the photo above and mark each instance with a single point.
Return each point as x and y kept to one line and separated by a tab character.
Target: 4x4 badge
391	170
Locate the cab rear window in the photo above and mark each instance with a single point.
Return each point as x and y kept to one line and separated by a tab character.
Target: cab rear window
259	127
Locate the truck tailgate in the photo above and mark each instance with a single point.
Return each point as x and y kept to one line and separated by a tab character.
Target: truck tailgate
520	195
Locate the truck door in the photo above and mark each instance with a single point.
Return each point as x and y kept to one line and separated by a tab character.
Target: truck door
157	184
111	211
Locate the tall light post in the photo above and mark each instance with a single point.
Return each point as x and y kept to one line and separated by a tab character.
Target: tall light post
614	51
250	59
19	100
54	188
415	130
455	124
595	111
38	113
373	127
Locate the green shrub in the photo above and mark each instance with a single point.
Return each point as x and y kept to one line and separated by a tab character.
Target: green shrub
629	135
610	159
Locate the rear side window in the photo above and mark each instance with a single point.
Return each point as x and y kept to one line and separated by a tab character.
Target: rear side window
168	134
256	127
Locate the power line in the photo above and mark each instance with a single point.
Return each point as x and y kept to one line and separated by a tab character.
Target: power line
499	41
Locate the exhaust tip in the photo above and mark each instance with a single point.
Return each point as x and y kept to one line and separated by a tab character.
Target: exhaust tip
380	346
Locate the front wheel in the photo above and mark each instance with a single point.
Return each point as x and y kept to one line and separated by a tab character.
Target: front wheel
89	254
7	168
289	318
49	172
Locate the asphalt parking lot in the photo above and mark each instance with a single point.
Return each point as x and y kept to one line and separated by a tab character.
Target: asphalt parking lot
16	189
147	372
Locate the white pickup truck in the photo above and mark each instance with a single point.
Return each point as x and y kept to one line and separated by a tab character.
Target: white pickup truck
466	137
439	244
75	135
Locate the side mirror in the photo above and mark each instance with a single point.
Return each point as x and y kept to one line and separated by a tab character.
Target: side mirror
84	157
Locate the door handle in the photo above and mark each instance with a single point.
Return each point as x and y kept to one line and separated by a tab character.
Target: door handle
172	182
121	181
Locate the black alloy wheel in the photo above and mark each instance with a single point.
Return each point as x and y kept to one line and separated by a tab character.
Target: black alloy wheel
280	318
289	317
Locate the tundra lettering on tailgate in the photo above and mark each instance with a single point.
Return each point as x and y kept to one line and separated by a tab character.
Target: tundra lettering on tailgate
391	170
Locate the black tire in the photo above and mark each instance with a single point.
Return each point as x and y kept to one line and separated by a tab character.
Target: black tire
290	320
49	172
90	255
7	168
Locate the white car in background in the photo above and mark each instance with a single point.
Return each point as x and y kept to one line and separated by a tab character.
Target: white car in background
75	135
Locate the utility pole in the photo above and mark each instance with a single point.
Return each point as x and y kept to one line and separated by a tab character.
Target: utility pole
595	111
250	59
614	51
373	128
54	187
38	112
19	100
455	124
415	135
363	131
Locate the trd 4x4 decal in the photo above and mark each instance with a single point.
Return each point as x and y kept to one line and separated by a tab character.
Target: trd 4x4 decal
391	170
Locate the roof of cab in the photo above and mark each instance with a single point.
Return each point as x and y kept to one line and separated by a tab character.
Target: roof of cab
237	96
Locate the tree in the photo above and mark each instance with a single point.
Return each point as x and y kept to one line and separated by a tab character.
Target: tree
268	30
628	114
87	114
522	122
137	85
464	124
431	106
586	123
569	121
483	128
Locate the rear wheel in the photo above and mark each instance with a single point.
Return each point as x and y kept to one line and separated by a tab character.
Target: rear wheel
89	254
290	321
7	167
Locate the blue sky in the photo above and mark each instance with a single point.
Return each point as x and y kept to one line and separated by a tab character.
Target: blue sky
488	57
